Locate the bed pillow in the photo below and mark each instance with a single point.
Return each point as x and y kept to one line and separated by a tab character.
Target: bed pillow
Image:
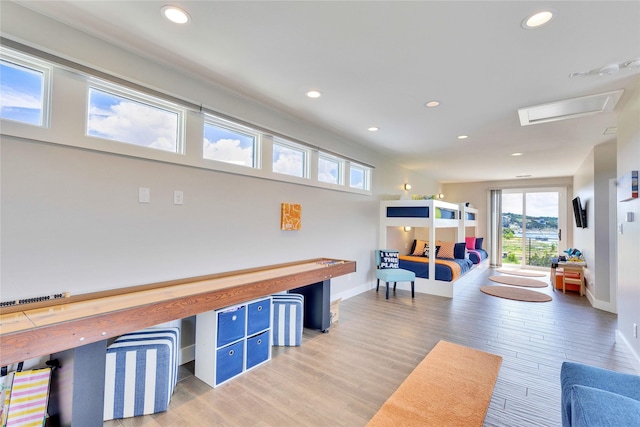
389	259
446	250
479	242
470	242
460	250
426	250
418	247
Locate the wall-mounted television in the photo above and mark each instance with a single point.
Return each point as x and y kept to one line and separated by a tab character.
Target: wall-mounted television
579	213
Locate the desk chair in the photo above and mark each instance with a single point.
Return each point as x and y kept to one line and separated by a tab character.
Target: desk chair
387	270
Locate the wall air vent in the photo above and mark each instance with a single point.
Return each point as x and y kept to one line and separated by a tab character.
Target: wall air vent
569	108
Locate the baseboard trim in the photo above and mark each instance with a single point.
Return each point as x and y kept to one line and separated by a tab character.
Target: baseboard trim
601	305
352	292
635	358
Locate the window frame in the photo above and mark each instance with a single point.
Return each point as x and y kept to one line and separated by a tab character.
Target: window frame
366	176
140	98
341	168
306	156
66	112
237	128
20	59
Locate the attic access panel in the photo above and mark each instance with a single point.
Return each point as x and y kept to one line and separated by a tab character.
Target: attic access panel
569	108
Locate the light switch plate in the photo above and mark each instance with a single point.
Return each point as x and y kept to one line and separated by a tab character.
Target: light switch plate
144	195
178	197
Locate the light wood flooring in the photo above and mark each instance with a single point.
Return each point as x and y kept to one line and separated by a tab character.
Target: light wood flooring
341	378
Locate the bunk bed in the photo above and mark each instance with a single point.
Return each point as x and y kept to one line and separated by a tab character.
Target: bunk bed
468	230
425	217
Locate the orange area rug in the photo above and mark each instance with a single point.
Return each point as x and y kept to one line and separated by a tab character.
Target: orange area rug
452	386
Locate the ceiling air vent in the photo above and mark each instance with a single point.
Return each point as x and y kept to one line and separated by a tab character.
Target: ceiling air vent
569	108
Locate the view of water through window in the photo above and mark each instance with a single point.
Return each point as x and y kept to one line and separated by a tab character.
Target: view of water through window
530	230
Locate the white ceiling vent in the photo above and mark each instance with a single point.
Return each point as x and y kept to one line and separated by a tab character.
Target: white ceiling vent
569	108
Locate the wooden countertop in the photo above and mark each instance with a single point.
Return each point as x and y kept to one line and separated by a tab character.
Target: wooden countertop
33	330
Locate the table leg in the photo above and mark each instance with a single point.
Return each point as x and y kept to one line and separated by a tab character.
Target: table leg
77	387
317	304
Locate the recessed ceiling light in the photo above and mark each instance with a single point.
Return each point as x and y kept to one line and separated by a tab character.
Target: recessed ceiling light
516	154
432	104
175	14
313	94
374	129
463	136
538	19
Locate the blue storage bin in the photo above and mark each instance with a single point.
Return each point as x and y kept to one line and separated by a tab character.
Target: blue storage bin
229	361
258	349
231	340
141	371
288	319
258	316
231	325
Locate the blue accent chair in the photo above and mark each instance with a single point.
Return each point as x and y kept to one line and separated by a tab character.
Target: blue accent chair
394	275
598	397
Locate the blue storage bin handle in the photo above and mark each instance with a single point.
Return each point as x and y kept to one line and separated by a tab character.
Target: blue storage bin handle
234	317
259	308
260	341
231	352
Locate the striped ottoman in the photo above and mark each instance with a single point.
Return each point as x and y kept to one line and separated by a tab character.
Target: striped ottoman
288	317
141	372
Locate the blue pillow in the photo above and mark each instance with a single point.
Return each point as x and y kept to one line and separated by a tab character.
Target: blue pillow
389	259
479	242
459	250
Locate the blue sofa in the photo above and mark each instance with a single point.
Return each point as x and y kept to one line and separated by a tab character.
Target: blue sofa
598	397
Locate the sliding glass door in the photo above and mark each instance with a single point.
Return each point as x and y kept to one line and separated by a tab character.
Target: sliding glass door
533	223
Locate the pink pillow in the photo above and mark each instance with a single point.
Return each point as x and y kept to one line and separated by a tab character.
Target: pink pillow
471	242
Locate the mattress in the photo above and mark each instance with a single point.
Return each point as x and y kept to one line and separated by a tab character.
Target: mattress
447	269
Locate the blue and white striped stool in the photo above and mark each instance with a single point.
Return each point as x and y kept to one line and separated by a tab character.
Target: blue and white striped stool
141	372
288	317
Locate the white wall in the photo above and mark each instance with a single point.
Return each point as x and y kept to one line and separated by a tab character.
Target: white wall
591	184
71	221
629	241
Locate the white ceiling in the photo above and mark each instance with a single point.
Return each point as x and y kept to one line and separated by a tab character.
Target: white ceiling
377	63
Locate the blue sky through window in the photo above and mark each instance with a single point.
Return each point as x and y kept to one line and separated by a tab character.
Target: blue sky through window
288	160
328	171
356	178
125	120
227	145
21	93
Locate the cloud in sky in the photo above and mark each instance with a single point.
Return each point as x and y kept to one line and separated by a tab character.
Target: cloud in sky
287	161
538	204
21	91
327	171
228	150
12	98
135	123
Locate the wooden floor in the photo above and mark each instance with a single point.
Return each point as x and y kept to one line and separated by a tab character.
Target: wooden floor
341	378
